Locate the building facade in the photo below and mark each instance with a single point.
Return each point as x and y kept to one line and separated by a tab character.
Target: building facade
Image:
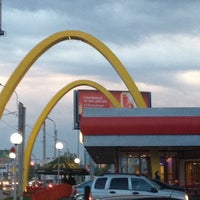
143	141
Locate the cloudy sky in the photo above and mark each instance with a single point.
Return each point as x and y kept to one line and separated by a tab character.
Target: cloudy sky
158	41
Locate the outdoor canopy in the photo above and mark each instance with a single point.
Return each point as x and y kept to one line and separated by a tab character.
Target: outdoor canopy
65	168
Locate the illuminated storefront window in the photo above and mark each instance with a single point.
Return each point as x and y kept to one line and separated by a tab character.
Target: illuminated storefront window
169	167
192	170
135	163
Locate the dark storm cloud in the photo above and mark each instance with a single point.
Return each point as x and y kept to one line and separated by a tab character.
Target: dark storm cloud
121	20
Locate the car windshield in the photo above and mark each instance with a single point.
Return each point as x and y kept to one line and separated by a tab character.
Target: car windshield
155	184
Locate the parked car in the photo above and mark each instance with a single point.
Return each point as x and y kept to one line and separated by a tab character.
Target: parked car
7	189
127	184
128	197
78	190
138	197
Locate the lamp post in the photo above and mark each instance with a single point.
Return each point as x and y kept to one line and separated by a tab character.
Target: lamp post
34	164
15	139
59	147
55	135
77	159
12	155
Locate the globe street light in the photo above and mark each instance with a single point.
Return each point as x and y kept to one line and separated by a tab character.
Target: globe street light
59	147
12	153
15	139
77	160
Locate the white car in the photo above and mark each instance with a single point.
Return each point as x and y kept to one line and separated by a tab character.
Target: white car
127	184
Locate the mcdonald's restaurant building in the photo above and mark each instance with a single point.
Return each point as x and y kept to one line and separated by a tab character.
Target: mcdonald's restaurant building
144	140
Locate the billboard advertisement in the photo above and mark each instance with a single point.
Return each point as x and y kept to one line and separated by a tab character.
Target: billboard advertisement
95	99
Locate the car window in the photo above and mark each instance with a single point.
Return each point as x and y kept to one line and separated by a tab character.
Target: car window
88	183
100	183
140	184
119	183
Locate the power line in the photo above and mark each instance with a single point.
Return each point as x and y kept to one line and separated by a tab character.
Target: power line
15	128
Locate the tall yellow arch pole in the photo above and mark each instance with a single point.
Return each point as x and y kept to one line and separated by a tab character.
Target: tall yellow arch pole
47	110
44	45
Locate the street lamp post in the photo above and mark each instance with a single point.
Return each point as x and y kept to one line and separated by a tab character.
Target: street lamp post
77	159
59	147
34	163
55	135
15	139
12	155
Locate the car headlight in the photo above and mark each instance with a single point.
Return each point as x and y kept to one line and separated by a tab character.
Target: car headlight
186	197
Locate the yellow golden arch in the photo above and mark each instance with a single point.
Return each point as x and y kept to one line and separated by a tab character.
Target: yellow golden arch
47	110
44	45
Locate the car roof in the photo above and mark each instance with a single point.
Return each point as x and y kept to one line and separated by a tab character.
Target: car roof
121	174
138	197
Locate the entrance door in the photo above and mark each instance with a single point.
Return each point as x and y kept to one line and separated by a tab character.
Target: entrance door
192	173
169	169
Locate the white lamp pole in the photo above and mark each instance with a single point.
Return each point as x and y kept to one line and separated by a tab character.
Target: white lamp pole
15	139
59	147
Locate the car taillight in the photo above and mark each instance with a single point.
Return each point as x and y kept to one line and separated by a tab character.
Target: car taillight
90	196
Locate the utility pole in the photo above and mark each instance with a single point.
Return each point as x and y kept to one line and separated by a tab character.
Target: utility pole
44	143
21	130
1	31
44	148
55	141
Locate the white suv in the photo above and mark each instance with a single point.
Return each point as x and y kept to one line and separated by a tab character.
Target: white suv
127	184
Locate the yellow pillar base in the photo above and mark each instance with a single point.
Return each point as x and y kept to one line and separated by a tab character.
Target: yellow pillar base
155	162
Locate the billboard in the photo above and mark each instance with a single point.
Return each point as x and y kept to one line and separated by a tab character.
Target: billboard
95	99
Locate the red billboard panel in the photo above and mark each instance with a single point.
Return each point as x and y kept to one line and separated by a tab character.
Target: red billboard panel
95	99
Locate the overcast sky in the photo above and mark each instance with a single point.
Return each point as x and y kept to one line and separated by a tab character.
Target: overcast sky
158	41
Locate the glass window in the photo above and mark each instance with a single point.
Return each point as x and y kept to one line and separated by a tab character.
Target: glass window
140	184
100	183
135	163
119	183
192	170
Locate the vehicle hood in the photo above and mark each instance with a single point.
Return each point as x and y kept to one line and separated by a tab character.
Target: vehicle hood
172	193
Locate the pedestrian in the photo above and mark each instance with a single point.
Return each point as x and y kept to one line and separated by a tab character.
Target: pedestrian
157	176
64	179
71	180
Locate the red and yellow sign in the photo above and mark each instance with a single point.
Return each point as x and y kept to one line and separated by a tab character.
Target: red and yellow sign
95	99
